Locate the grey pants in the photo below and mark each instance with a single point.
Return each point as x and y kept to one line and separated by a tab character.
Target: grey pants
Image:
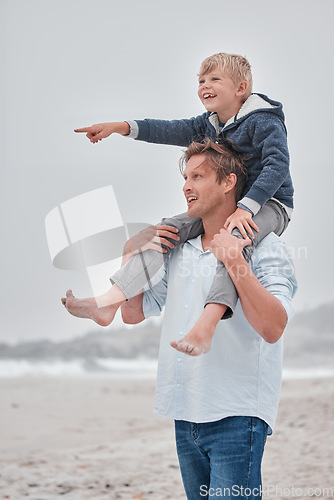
141	268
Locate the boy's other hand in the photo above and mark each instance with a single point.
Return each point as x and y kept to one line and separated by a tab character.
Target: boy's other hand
242	220
100	131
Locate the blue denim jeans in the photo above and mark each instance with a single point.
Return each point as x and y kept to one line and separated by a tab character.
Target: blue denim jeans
221	459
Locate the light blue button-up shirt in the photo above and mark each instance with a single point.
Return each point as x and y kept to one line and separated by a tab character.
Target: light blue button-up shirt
241	375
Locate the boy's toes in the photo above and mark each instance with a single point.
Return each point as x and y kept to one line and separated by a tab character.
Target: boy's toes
196	351
189	348
69	294
63	301
181	346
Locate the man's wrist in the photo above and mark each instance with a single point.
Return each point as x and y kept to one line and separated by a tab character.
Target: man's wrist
236	264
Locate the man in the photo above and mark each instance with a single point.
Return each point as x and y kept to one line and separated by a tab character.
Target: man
224	403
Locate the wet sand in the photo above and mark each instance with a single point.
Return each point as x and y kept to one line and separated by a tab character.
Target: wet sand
96	438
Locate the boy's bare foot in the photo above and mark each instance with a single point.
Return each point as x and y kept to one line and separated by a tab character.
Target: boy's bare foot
88	308
198	340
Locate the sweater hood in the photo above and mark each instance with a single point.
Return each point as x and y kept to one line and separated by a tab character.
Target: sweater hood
254	104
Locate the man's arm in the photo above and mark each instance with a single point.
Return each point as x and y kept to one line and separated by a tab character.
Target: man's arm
132	310
262	309
148	303
153	237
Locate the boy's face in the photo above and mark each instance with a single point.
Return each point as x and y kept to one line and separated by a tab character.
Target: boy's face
220	94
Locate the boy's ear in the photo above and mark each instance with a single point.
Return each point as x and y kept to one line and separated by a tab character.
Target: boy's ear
242	88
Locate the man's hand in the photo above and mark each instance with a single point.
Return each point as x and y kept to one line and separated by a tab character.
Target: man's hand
228	248
262	309
100	131
241	219
153	237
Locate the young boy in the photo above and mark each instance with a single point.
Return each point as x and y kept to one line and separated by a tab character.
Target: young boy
255	124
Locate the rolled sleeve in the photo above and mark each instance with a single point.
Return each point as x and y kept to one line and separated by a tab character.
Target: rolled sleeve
134	129
274	269
154	298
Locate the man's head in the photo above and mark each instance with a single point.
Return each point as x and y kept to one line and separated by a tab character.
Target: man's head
214	174
225	82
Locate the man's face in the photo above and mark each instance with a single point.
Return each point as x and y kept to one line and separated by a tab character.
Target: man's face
201	189
218	92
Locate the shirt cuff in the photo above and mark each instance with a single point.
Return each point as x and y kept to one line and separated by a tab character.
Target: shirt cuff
286	303
134	129
241	205
150	306
252	205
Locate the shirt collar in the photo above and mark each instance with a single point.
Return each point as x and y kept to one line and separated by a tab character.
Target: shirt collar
197	243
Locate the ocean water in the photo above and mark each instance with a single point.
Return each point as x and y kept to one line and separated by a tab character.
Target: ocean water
132	369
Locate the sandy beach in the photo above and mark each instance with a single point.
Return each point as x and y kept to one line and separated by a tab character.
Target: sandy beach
96	438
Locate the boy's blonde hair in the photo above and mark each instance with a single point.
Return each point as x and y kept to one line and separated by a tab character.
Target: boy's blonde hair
234	66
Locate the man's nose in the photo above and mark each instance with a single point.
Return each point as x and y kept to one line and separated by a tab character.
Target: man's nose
186	186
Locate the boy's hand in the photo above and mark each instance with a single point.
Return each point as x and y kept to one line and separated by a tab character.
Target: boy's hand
241	219
100	131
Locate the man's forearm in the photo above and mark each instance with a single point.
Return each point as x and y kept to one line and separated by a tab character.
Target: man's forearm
132	310
262	309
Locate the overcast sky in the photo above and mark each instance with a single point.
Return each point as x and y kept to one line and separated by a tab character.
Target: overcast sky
72	63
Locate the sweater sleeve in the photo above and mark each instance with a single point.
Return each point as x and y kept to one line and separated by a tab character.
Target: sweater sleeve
268	135
173	132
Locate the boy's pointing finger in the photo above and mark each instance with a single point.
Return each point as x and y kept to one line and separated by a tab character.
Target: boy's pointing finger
86	129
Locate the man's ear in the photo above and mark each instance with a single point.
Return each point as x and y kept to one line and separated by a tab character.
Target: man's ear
242	88
230	182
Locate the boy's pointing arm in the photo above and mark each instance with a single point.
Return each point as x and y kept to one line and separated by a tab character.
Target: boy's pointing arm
173	132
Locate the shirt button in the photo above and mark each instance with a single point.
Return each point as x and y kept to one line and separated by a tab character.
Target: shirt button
186	306
178	386
179	360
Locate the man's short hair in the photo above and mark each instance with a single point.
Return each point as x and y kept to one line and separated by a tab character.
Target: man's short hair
224	158
234	66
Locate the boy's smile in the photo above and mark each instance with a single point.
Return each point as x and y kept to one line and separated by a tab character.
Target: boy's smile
220	94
